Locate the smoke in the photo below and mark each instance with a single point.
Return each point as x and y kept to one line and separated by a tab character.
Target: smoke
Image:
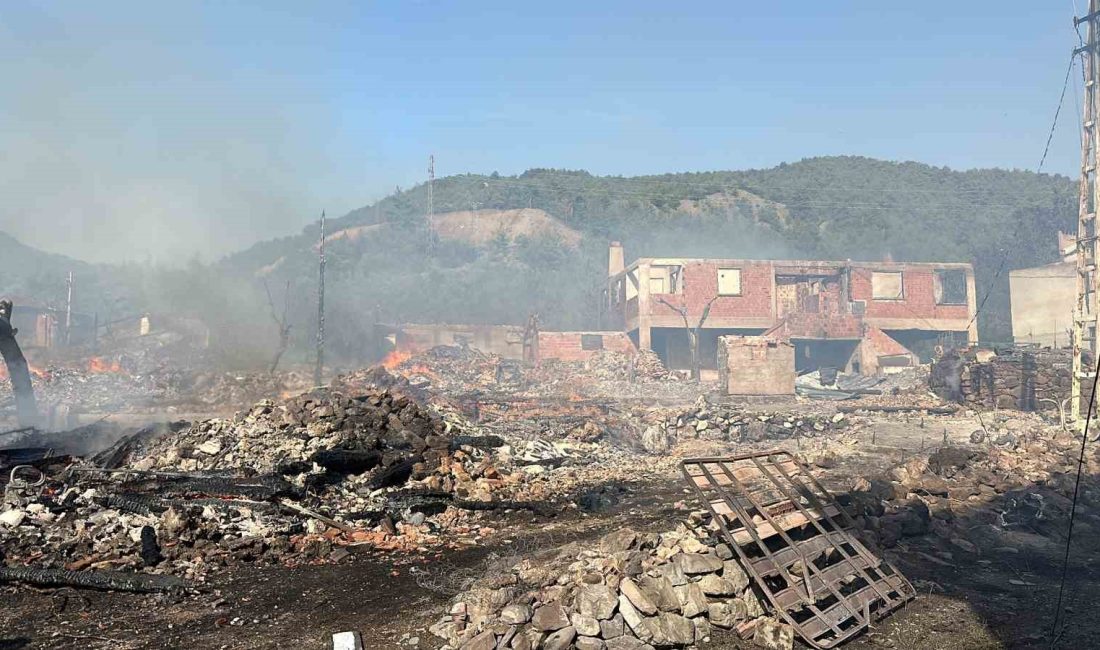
129	136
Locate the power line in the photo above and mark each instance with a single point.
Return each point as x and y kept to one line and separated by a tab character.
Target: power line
1050	136
1073	505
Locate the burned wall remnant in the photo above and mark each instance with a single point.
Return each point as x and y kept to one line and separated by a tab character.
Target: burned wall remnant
1022	378
755	365
813	301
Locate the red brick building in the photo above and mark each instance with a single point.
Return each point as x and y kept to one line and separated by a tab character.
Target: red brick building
857	316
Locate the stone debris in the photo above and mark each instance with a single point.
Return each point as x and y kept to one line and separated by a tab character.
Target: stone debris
287	482
614	594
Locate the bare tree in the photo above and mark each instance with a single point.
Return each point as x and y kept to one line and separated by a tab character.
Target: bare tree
692	332
282	322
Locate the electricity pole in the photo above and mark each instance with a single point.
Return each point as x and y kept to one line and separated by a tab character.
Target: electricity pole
1088	254
319	368
69	312
431	204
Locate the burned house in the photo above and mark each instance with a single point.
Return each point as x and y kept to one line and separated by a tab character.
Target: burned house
855	316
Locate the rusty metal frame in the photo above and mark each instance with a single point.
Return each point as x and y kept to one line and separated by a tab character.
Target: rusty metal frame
826	602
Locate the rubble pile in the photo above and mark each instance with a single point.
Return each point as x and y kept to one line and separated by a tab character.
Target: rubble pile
631	591
1017	477
663	428
458	369
1021	378
285	481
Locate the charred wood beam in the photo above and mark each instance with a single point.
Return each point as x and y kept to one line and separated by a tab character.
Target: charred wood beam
104	580
26	408
347	461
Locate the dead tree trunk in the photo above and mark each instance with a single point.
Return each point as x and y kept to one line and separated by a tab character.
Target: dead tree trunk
692	333
26	408
282	322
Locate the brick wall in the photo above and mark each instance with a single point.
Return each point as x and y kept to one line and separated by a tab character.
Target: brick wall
700	280
567	346
919	300
823	315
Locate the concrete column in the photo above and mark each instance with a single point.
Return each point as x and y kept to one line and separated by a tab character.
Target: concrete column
645	341
972	307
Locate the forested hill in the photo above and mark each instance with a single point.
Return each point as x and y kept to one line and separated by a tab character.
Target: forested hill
828	208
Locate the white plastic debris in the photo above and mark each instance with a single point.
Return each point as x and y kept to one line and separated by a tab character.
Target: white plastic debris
347	641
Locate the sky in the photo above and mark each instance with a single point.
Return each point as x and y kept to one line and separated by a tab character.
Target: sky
143	131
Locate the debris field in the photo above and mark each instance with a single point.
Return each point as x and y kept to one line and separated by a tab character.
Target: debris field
575	504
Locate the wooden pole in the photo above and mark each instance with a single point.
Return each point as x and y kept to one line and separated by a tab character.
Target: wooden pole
318	370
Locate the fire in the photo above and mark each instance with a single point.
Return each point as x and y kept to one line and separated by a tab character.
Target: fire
99	365
395	358
36	372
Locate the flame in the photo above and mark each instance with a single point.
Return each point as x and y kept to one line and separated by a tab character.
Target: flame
99	365
36	372
395	358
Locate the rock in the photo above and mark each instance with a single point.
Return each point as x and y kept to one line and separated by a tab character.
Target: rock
715	585
674	573
655	440
753	607
637	597
726	614
947	461
723	552
444	629
671	630
210	447
525	641
696	563
661	592
515	614
484	641
550	617
585	625
773	635
614	627
597	601
13	517
702	629
588	643
559	640
633	618
618	541
693	601
626	643
732	571
977	437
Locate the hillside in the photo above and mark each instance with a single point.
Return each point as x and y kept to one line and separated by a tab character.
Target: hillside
831	208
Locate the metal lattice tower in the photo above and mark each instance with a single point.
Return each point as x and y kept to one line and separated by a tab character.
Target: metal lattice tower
1088	255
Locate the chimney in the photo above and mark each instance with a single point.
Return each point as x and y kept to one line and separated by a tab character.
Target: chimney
615	261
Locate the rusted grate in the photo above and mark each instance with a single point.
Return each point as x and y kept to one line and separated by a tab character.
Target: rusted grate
796	542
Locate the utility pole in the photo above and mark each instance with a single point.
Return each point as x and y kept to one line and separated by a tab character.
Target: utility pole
1085	314
69	312
319	368
431	204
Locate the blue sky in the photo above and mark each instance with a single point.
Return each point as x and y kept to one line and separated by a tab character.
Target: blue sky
136	131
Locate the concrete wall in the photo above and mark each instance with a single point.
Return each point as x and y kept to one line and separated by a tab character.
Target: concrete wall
755	365
1042	304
